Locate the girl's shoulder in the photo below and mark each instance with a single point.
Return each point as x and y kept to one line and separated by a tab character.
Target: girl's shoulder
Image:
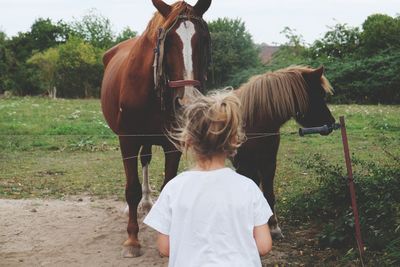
223	175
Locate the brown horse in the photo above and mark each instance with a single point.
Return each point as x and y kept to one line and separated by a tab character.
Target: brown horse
268	101
145	80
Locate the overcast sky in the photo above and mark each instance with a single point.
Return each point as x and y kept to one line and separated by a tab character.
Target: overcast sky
264	19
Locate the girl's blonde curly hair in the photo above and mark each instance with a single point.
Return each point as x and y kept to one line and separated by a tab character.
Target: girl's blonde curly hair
211	125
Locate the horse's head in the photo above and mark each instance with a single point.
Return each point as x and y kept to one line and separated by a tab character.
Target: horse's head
184	49
317	113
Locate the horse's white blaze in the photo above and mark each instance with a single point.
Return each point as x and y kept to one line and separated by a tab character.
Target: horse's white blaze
186	31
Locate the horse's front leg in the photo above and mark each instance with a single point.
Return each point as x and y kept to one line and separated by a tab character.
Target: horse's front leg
145	157
133	194
268	173
146	202
172	158
267	169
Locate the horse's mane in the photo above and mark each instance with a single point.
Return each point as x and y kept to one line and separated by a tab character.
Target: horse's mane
278	95
158	21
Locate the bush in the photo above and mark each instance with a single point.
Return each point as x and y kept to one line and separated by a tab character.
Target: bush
329	204
79	70
233	50
371	79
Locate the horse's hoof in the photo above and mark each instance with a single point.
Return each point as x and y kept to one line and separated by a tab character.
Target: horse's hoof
276	233
131	252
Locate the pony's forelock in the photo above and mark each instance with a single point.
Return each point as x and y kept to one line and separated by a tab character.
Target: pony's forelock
280	94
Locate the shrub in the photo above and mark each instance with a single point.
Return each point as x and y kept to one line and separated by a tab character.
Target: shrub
371	79
377	191
79	70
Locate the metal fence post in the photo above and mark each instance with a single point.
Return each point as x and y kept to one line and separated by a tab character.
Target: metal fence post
351	187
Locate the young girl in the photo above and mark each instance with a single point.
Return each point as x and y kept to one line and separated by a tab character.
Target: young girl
210	215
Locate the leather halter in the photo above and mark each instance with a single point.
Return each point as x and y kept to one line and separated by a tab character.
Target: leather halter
181	83
160	78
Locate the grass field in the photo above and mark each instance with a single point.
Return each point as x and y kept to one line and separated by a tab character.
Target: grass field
55	148
60	148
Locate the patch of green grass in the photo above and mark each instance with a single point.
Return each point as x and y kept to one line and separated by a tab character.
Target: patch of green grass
53	148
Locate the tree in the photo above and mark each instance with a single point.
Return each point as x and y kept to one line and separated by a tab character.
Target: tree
45	34
20	75
339	41
95	29
79	69
24	78
126	34
6	62
46	62
380	32
373	79
232	50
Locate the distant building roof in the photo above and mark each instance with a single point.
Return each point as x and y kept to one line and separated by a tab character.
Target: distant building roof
266	52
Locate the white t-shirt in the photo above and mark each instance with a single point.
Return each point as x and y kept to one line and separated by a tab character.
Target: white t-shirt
209	217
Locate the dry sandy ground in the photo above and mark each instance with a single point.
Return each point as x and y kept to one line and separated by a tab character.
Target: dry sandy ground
79	232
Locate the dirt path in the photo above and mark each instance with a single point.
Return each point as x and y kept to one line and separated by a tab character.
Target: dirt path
81	232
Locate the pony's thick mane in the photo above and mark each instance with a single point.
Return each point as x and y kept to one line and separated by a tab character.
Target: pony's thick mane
278	95
158	21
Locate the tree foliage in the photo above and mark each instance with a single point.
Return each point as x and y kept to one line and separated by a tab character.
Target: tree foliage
125	34
63	55
46	63
79	70
7	62
232	50
380	32
362	63
44	34
95	29
22	78
374	79
340	41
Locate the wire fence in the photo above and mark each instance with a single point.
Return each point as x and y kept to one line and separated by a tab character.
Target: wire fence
250	136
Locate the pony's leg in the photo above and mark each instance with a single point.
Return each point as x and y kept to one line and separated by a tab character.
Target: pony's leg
145	157
268	172
172	158
133	194
267	167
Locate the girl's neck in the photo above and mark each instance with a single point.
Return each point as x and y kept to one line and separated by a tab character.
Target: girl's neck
214	163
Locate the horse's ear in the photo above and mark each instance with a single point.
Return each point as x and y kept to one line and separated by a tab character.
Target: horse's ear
162	7
202	6
317	73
